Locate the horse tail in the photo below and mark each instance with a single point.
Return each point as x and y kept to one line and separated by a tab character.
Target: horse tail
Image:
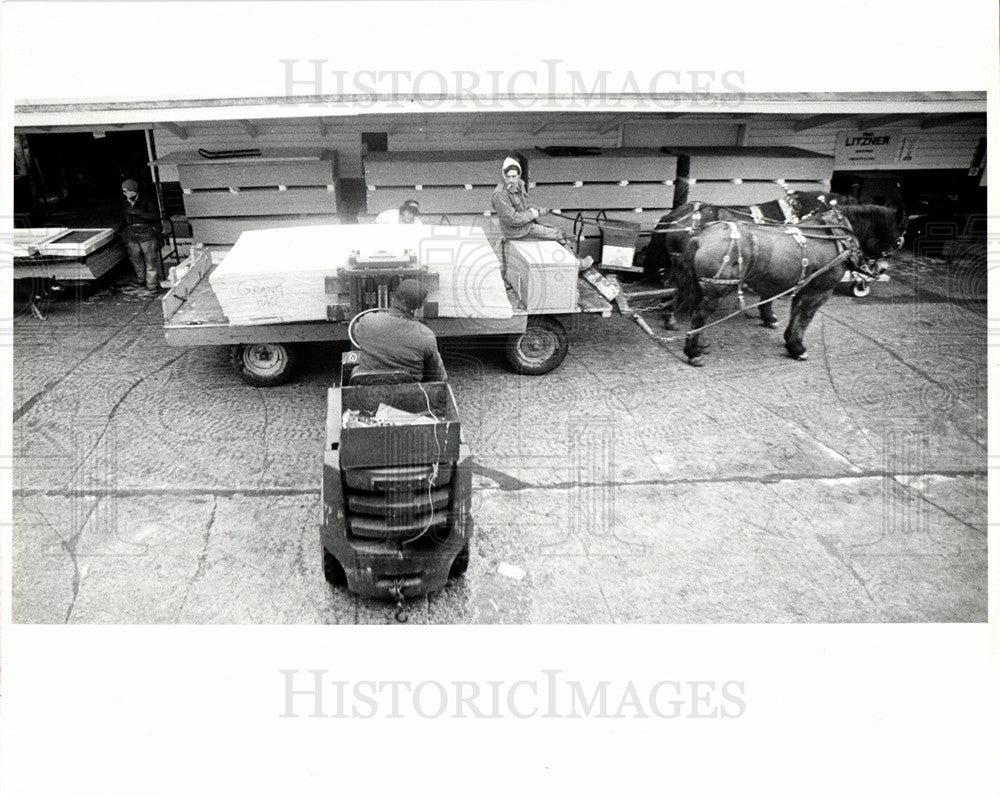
685	279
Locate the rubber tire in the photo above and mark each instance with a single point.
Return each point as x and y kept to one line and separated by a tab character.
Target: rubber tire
333	571
542	330
460	564
243	357
861	289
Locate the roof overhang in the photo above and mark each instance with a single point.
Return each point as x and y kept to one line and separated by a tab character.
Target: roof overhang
807	105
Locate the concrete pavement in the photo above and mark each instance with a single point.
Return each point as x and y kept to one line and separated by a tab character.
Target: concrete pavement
153	486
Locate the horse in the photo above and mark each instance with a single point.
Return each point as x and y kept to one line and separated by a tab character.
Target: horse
672	231
807	259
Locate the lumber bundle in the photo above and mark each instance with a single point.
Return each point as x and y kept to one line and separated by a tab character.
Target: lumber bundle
746	175
226	196
278	276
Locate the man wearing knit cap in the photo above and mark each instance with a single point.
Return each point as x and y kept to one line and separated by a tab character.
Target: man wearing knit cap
141	235
393	340
518	218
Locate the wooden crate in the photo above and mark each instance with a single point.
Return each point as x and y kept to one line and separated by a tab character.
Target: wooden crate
544	275
227	230
260	202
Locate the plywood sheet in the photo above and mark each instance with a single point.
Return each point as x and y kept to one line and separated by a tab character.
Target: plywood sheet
260	202
257	173
433	200
637	164
727	193
227	230
603	195
433	168
278	276
761	163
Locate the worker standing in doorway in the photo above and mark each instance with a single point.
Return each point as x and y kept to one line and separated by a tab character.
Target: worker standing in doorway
141	235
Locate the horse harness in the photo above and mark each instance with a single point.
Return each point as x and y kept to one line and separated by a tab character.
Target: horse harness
753	213
839	232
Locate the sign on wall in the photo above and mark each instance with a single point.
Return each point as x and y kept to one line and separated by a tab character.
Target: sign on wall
876	149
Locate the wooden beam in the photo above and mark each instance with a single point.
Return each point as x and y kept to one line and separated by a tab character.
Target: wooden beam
818	121
249	127
878	121
944	119
174	128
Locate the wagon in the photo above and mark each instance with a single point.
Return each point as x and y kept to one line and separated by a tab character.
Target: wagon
542	287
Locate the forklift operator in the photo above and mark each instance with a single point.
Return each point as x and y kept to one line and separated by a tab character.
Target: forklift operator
393	340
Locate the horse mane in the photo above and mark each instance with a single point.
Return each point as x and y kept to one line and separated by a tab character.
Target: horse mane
877	227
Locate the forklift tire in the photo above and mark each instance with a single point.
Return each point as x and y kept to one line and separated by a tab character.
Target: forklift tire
540	348
460	564
264	365
333	571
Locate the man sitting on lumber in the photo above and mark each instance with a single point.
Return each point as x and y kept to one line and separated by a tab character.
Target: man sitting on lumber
517	216
407	213
393	340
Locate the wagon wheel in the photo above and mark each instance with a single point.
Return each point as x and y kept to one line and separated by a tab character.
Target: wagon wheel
540	348
861	288
264	365
333	571
460	564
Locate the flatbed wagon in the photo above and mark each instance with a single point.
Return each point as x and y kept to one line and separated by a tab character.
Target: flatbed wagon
534	337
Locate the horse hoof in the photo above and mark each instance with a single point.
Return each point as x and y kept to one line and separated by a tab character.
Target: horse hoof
771	325
803	356
669	325
696	361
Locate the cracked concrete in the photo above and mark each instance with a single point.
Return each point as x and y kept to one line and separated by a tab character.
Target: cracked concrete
627	486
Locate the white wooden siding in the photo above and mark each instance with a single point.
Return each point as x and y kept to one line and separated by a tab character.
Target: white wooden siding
947	147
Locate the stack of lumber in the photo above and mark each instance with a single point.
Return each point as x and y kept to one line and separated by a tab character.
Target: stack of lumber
277	276
63	253
280	188
457	185
746	175
629	184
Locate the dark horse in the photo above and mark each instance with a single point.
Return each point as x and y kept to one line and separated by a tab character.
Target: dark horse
813	255
673	230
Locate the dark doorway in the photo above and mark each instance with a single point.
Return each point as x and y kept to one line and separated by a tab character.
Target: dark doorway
75	178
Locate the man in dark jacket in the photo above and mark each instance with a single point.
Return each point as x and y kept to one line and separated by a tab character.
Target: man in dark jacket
517	216
141	235
393	340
